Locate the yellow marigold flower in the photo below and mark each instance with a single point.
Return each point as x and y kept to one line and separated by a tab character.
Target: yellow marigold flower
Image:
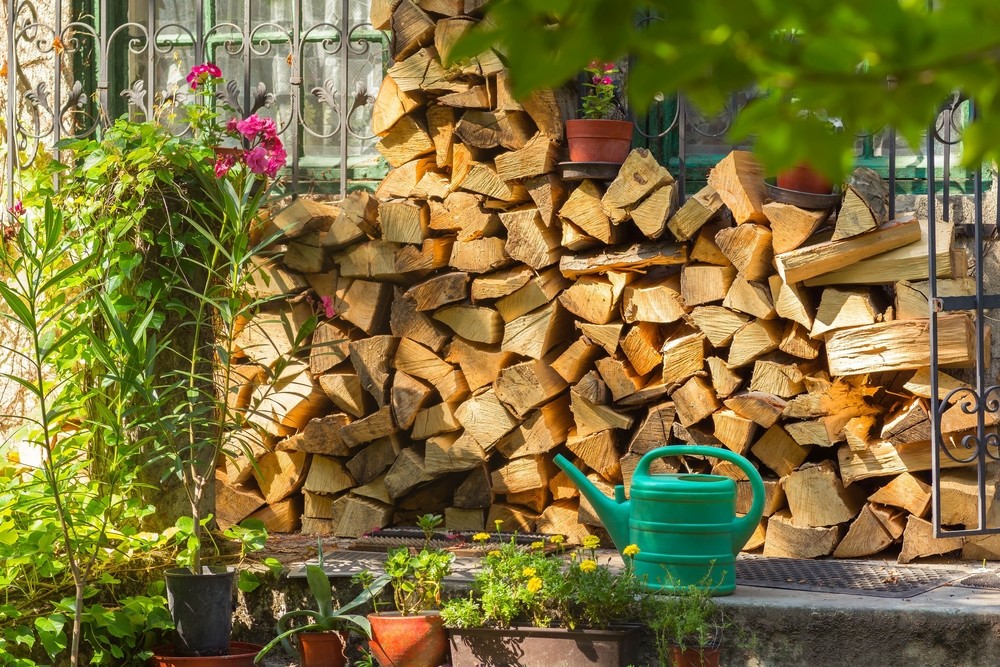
591	542
588	565
534	585
557	539
494	554
480	537
498	523
529	572
631	550
537	545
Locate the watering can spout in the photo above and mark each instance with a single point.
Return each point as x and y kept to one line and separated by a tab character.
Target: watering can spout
614	513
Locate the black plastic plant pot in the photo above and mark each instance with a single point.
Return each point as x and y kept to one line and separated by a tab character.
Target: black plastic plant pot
201	606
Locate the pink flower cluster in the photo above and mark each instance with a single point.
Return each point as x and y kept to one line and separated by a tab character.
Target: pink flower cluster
200	74
266	154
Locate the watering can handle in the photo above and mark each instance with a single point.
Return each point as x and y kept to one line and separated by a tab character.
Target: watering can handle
744	526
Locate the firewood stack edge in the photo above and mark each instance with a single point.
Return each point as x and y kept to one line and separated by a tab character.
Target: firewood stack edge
489	315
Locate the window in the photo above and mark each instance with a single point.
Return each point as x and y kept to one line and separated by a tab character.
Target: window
312	67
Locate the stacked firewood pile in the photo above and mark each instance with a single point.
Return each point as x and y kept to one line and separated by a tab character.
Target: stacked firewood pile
486	315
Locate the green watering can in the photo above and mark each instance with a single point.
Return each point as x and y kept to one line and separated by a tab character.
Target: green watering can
685	525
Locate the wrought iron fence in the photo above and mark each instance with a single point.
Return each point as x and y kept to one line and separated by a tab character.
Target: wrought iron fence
71	66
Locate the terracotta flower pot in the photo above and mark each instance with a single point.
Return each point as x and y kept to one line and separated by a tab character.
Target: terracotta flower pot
322	649
599	140
241	654
694	657
419	640
804	178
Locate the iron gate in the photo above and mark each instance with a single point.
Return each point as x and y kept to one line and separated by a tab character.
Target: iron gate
71	66
979	398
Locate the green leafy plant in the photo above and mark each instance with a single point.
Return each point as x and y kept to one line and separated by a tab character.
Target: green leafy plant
326	617
523	585
416	576
686	617
598	103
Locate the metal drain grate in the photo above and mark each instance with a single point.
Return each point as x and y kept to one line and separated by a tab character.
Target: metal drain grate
345	564
986	580
845	577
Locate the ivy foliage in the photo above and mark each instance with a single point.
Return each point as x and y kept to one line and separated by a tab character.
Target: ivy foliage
870	63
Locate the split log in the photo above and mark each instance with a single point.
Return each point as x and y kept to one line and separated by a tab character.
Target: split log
882	459
654	431
284	516
288	404
537	292
788	539
576	360
411	27
844	309
739	181
534	334
642	345
439	290
479	255
452	452
683	356
432	254
866	536
372	460
909	424
623	258
327	476
912	300
583	209
415	359
473	323
597	450
792	226
235	503
724	380
919	541
595	298
653	298
760	407
782	380
475	491
748	247
865	206
817	497
272	336
372	427
547	428
528	385
695	213
434	420
484	179
405	321
562	518
605	335
705	283
359	515
300	217
523	474
753	298
549	194
406	140
651	215
268	277
512	518
593	417
779	452
791	302
920	385
900	345
796	342
718	323
538	156
480	364
639	175
280	474
392	104
694	400
485	418
705	249
815	260
734	431
407	397
752	341
370	359
406	474
457	519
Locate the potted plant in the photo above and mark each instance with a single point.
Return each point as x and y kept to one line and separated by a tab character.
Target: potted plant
207	266
528	608
322	641
687	627
413	635
803	177
595	137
